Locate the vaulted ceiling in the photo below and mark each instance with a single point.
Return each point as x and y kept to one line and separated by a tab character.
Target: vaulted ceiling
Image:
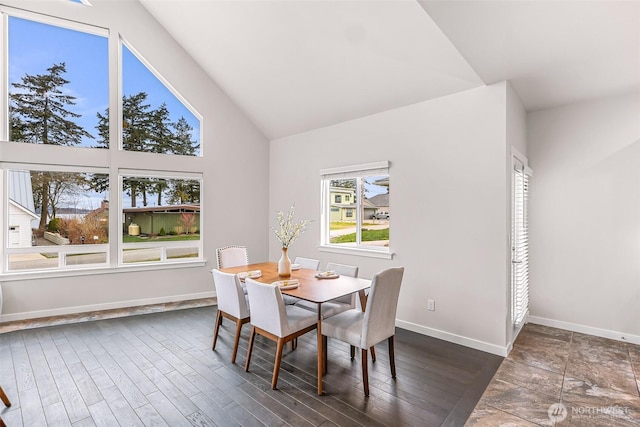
297	65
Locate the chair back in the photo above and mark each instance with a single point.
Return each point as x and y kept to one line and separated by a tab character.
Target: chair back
344	270
310	263
231	298
232	256
380	314
267	308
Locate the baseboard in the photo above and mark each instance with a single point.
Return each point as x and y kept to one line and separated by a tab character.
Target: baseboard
589	330
106	306
456	339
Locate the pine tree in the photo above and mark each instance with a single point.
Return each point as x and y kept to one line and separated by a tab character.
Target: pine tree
40	114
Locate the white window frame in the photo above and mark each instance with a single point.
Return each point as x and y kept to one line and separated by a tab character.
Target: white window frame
357	172
78	159
173	244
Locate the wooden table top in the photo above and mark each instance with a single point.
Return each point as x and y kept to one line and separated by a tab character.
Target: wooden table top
311	288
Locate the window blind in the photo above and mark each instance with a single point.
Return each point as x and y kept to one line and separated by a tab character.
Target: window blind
520	245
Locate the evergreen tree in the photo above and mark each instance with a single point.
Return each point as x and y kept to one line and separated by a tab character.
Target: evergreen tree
182	138
40	114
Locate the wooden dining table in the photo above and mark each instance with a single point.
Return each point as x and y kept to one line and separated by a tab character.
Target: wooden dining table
310	289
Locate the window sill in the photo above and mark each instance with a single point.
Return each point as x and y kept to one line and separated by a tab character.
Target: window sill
371	253
34	275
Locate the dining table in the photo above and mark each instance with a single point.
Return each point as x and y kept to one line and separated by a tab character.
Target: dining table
311	288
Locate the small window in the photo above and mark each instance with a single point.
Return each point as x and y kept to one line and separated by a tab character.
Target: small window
356	228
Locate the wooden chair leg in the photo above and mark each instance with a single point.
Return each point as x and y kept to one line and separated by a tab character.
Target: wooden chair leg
216	329
6	402
237	340
251	337
373	354
392	357
353	352
365	372
294	344
4	398
276	366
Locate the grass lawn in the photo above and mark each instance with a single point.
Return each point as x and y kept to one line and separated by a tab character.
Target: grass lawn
367	236
138	239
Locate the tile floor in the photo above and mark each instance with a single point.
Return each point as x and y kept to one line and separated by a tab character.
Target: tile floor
585	380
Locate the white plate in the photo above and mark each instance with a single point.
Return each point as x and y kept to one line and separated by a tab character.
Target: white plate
284	286
327	275
250	274
295	267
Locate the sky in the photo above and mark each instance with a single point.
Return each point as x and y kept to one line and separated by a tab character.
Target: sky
34	47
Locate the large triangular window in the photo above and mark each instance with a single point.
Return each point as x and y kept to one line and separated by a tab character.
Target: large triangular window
154	118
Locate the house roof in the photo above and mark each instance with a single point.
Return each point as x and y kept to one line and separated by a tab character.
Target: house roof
380	200
168	208
294	66
20	190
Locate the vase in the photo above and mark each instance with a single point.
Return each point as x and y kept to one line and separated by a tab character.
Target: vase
284	265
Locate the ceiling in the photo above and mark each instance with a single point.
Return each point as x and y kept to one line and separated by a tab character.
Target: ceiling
298	65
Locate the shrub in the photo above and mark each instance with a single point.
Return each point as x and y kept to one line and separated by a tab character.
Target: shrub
54	225
162	232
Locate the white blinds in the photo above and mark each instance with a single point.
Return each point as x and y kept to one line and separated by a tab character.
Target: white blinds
520	245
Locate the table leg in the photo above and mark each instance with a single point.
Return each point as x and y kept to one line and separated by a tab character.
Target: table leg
363	299
320	354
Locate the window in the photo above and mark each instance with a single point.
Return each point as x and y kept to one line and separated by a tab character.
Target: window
154	120
56	211
56	220
58	83
161	219
519	243
352	226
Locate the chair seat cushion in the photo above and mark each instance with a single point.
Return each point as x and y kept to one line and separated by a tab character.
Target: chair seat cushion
329	308
298	318
345	326
289	300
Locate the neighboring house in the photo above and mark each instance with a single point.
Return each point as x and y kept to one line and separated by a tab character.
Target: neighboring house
343	204
380	202
152	219
21	209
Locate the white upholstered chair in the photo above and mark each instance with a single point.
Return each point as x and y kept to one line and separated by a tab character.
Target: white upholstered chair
338	305
271	318
364	330
310	263
232	304
232	256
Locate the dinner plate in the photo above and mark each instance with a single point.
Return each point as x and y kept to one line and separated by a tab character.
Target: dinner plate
327	275
250	274
295	267
286	284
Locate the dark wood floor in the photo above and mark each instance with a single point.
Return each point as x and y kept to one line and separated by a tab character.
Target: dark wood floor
158	369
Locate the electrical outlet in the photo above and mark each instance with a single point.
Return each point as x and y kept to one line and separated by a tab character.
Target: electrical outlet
431	305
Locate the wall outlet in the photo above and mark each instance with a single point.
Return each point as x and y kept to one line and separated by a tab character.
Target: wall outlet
431	305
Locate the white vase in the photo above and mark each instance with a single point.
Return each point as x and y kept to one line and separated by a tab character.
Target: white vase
284	265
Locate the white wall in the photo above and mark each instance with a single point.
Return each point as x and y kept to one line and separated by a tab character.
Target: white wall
448	196
236	171
585	217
